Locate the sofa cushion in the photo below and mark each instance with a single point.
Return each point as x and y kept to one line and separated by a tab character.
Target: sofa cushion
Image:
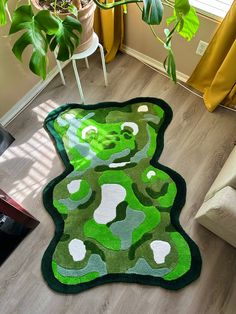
218	214
226	177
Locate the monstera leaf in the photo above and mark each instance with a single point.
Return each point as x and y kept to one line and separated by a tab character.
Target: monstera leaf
24	19
47	22
188	23
182	6
66	38
41	30
152	12
3	16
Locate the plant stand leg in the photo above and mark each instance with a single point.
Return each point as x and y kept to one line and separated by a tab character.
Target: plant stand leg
87	63
103	64
78	81
60	70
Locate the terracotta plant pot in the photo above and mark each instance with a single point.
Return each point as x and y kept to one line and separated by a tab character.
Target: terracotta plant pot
86	18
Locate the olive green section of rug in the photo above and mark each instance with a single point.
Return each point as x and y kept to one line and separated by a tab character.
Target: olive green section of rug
116	202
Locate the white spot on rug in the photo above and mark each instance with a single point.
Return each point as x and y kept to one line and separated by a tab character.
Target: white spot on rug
88	129
150	174
160	250
112	195
118	164
77	250
131	125
73	186
143	108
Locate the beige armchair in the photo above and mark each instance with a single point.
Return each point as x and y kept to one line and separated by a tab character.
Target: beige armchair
218	211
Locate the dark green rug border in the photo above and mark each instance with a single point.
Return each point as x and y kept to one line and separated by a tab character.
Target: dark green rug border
46	267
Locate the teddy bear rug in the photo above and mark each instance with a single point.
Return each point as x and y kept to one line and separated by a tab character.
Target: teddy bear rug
115	207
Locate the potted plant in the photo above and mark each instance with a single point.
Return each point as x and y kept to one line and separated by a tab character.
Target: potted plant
55	25
82	9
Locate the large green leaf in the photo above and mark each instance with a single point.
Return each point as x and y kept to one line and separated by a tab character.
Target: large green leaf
41	29
66	38
3	15
187	24
152	12
23	19
48	23
182	7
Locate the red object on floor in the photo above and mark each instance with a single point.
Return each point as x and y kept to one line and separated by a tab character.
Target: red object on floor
15	211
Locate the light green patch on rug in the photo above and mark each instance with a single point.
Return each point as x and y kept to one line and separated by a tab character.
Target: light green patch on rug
102	234
184	257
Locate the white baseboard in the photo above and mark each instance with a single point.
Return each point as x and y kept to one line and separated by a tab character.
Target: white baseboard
29	96
150	61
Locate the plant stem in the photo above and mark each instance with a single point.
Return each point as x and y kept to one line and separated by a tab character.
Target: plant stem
155	34
172	32
152	28
55	7
8	13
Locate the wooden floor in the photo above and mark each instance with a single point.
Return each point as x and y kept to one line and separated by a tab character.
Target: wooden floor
196	145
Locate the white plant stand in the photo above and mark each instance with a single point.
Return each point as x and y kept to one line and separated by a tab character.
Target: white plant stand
84	55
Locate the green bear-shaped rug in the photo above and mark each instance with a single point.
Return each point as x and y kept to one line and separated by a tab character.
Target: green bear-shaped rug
115	207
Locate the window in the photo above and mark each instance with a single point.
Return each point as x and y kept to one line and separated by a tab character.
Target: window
213	8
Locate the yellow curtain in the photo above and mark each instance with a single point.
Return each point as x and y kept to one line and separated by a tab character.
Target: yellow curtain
109	25
215	75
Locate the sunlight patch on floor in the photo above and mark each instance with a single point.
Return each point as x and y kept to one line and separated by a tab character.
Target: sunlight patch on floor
28	166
